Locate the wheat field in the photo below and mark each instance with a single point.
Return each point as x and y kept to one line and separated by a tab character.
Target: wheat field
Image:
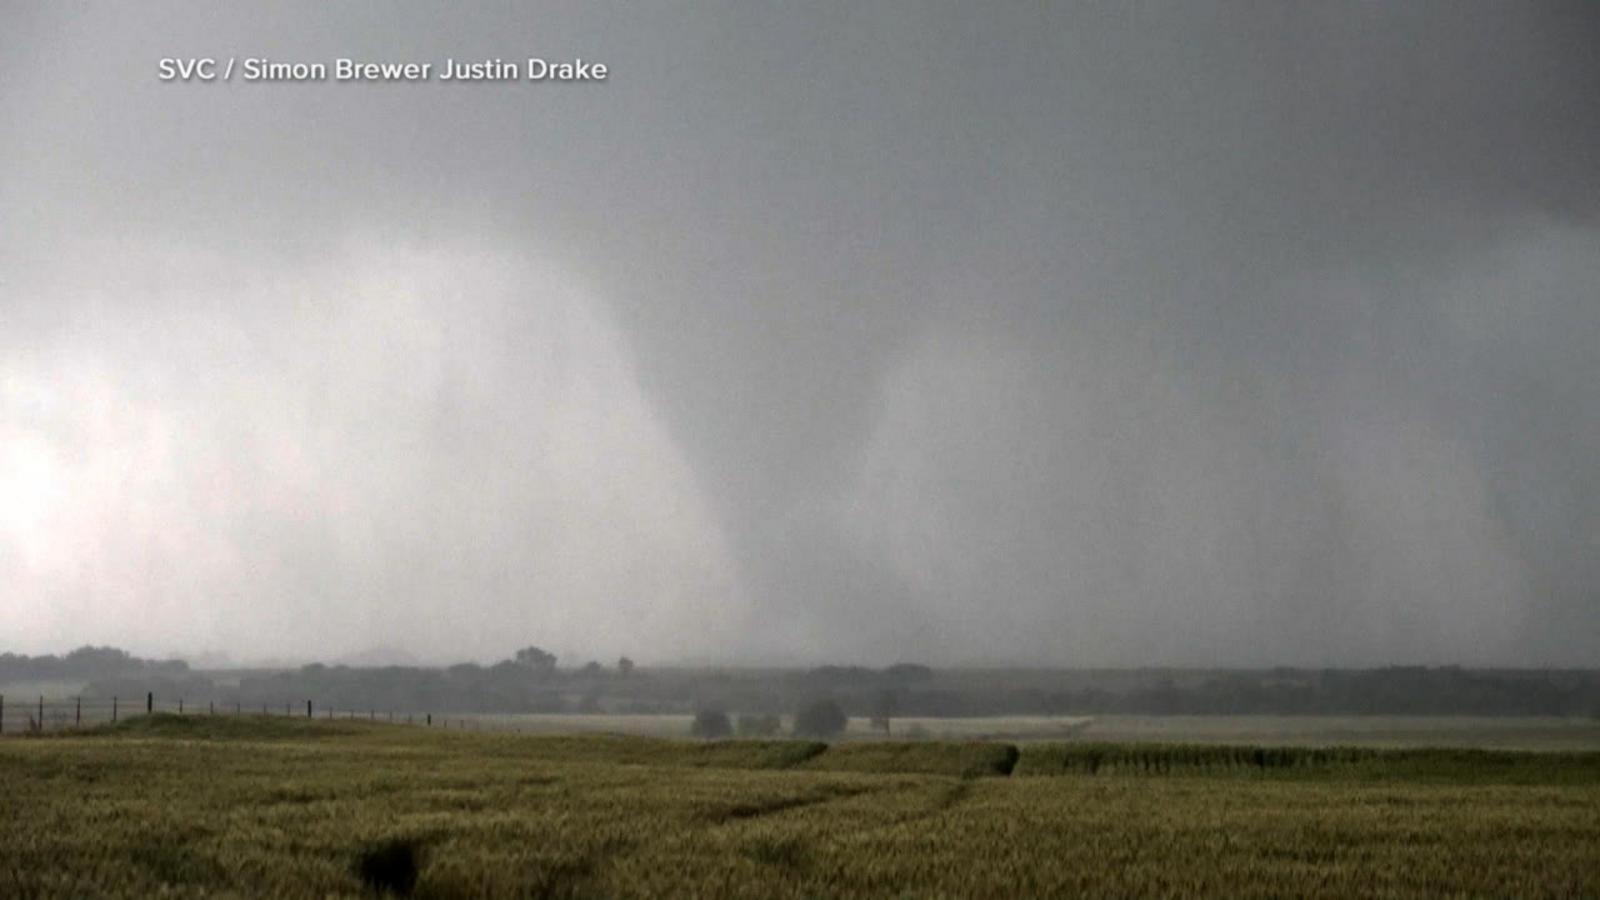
256	806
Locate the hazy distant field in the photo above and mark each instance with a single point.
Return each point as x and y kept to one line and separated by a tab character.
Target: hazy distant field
20	692
1505	732
995	727
1511	733
254	805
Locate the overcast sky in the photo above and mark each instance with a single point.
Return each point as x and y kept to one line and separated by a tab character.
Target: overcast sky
1078	334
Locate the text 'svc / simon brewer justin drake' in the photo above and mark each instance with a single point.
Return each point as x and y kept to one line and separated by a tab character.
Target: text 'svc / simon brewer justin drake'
261	69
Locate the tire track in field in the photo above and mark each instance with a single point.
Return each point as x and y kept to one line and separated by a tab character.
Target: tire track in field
755	809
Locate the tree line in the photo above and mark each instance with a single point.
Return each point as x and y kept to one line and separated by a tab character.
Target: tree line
530	680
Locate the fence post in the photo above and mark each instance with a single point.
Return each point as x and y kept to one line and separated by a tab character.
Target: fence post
211	708
430	720
113	709
150	702
308	709
77	713
2	713
180	706
41	714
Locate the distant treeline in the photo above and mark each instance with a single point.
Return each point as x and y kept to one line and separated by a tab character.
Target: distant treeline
88	663
107	672
1401	690
531	682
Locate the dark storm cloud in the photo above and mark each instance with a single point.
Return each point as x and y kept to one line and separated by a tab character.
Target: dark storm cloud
1085	334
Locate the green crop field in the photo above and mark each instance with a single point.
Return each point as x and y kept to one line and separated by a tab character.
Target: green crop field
256	806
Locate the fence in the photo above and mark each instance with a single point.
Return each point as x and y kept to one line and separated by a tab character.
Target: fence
36	715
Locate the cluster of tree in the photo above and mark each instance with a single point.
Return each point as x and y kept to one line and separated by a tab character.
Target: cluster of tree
528	682
87	664
820	718
897	674
543	662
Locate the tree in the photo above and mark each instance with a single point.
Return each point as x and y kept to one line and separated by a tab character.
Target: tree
593	670
711	724
909	672
886	708
820	718
624	667
99	662
536	659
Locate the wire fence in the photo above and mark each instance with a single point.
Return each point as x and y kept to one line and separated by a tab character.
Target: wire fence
41	714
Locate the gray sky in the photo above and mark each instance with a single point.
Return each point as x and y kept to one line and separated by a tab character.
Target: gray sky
1082	334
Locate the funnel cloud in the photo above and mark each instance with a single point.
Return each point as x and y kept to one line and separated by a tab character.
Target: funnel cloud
1197	334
